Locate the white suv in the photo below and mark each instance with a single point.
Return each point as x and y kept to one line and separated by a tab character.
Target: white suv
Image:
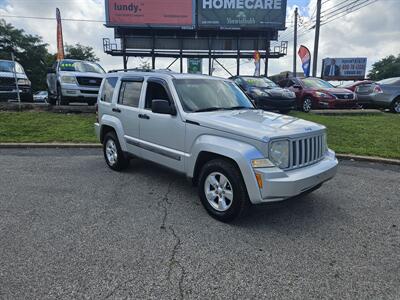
207	129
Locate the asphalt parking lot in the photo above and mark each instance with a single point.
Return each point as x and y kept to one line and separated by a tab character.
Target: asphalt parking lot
72	228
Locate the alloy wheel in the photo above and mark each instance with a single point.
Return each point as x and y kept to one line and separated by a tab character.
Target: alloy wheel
218	191
111	152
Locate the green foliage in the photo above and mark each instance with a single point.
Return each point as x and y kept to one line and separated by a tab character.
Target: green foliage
80	52
30	51
385	68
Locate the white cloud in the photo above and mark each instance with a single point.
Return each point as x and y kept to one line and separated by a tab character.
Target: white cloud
372	31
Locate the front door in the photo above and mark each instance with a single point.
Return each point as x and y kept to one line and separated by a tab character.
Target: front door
162	136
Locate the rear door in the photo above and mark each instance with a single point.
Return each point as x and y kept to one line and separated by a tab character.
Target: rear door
127	110
162	136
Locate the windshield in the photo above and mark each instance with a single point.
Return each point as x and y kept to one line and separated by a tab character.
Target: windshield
8	66
395	80
210	94
259	82
316	83
80	66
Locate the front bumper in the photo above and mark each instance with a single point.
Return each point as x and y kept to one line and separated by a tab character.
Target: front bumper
97	130
10	93
76	91
280	185
338	104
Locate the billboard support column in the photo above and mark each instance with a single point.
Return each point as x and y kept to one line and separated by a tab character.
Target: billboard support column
124	60
266	58
180	55
153	57
238	57
209	57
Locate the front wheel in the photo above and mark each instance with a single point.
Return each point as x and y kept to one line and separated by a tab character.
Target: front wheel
222	190
113	154
60	99
395	106
307	105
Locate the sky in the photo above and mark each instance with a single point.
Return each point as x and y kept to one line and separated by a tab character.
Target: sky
372	31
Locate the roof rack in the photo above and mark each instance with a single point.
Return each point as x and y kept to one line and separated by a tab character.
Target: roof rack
142	70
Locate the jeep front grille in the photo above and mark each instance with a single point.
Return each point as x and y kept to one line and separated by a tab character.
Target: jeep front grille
306	151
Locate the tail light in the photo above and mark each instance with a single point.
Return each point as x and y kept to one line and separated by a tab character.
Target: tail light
377	89
97	112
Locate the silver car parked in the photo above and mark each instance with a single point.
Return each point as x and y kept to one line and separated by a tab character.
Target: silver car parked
384	94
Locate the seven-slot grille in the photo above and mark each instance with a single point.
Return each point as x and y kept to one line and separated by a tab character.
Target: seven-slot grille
89	81
306	151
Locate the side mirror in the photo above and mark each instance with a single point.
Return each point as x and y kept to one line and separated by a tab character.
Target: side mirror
299	87
160	106
51	71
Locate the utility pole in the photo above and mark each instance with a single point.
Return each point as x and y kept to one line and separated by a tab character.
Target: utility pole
316	41
295	43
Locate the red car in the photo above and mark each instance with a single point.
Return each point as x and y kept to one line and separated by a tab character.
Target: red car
353	85
315	93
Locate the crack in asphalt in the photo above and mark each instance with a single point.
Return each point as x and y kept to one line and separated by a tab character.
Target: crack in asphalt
164	203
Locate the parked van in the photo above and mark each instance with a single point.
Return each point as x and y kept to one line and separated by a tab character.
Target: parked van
71	80
8	88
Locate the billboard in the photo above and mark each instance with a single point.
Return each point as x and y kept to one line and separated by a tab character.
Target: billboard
150	13
195	65
238	14
344	68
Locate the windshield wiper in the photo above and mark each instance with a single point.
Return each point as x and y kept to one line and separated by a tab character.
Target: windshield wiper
209	109
238	107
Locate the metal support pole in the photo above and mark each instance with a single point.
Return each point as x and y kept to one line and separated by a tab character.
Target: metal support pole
124	60
153	57
181	56
295	43
316	41
16	78
238	58
209	57
266	57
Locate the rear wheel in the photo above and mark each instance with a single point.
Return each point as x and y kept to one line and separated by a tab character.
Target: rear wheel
222	190
307	105
113	154
395	106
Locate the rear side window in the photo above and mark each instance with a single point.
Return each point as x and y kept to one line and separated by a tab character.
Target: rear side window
108	89
130	93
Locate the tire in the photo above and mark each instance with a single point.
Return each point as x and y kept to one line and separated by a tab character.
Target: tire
60	99
222	177
92	102
306	105
113	154
395	106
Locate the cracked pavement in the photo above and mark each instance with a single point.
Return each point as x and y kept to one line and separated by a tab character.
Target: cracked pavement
70	228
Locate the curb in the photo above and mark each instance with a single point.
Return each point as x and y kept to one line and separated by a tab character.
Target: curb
98	145
373	159
48	145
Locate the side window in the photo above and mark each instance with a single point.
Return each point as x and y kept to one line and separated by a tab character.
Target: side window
155	91
108	89
129	94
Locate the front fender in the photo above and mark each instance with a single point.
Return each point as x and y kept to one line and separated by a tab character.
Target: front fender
241	152
117	125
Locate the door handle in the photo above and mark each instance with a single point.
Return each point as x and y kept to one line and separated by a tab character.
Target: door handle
116	110
144	116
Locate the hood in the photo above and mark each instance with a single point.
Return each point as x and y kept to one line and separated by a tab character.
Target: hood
255	124
336	90
81	74
11	75
276	92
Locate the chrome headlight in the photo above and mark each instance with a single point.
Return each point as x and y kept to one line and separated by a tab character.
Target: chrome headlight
23	82
279	153
68	79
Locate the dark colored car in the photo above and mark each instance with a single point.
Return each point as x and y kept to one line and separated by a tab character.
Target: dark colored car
315	93
353	85
266	94
381	94
8	89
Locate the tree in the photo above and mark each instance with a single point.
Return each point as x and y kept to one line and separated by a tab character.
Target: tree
29	50
385	68
80	52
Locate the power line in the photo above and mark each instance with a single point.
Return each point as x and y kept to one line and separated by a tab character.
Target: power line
51	19
348	12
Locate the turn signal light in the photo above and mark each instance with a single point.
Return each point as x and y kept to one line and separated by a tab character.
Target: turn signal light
259	180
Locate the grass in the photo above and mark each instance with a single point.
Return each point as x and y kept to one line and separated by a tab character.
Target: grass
371	135
42	127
